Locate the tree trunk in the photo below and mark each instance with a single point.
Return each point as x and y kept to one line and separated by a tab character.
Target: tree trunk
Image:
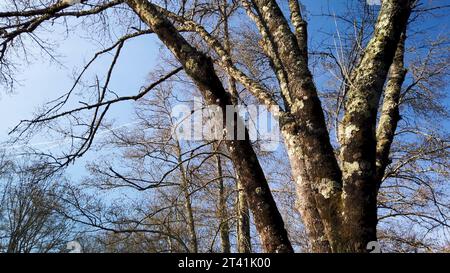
390	114
358	138
307	204
189	214
343	200
222	214
242	210
313	162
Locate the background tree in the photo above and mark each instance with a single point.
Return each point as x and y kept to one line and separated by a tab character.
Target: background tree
29	218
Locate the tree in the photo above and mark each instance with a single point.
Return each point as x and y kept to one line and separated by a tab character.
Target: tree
29	218
337	185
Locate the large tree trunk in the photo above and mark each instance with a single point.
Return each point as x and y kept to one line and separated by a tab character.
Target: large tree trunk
313	162
307	204
200	68
358	139
344	200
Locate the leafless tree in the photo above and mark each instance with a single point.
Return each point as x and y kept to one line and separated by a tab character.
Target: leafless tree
29	221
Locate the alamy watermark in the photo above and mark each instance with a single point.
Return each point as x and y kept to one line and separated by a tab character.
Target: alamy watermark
211	122
373	247
374	2
74	247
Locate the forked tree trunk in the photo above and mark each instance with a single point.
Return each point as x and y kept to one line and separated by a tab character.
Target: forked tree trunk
358	141
340	196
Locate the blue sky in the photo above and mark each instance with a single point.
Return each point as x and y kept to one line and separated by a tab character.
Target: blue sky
42	80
